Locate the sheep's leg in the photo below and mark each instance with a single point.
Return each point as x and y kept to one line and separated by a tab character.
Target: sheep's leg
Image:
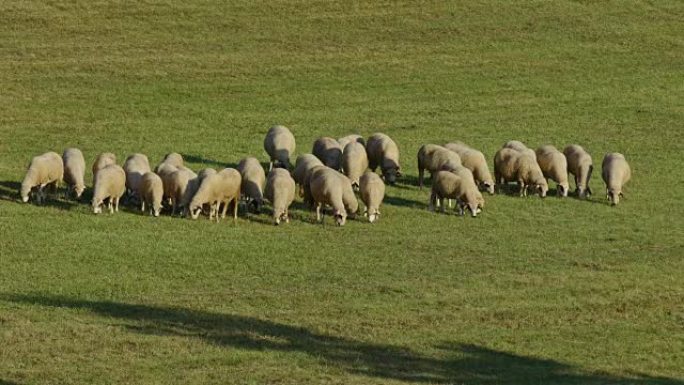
235	209
287	215
318	212
270	166
442	202
431	202
116	204
449	203
420	177
142	205
225	207
521	186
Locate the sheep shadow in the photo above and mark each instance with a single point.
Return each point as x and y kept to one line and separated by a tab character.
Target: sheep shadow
206	161
9	191
456	363
403	202
6	382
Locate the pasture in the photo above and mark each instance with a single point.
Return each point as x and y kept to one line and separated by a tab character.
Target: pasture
533	291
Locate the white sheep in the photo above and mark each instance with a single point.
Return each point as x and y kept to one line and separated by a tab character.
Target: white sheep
44	170
103	160
280	191
372	191
151	192
383	152
513	165
135	166
306	184
328	151
447	185
344	141
110	184
615	172
191	189
177	185
279	145
581	166
327	189
354	162
303	164
555	167
253	182
476	162
220	188
74	171
433	158
351	204
521	147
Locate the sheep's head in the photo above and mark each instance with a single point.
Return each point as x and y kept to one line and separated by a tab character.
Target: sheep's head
355	186
257	204
542	188
374	216
340	217
390	171
614	196
562	189
97	206
24	193
280	217
488	186
78	190
195	210
156	209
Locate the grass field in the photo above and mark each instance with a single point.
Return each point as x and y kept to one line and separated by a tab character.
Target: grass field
531	292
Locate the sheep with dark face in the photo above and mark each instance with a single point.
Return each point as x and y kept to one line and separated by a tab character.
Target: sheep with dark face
581	166
615	172
383	152
328	151
555	167
280	146
44	170
253	182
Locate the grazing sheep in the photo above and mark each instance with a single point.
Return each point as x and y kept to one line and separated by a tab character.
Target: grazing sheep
513	165
354	162
447	185
328	151
44	170
327	189
303	164
372	190
103	160
280	191
220	188
135	166
521	147
177	185
191	189
581	166
475	161
344	141
253	181
351	204
109	184
555	167
151	191
74	171
615	172
174	159
383	152
306	184
205	172
433	158
279	145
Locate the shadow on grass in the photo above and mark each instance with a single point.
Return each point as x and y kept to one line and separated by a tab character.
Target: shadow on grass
205	161
402	202
5	382
459	362
9	191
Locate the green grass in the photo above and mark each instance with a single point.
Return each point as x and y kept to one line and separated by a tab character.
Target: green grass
532	292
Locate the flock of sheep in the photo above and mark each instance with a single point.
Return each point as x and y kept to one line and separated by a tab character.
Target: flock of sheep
329	176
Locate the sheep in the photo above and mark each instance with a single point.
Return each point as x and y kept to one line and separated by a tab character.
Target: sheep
434	158
191	189
447	185
74	171
520	146
303	164
151	191
280	191
306	184
279	145
555	167
476	162
354	162
176	186
344	141
135	166
383	152
615	172
103	160
513	165
253	181
581	166
109	184
44	170
372	191
327	189
328	151
351	204
205	172
171	163
220	188
174	159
